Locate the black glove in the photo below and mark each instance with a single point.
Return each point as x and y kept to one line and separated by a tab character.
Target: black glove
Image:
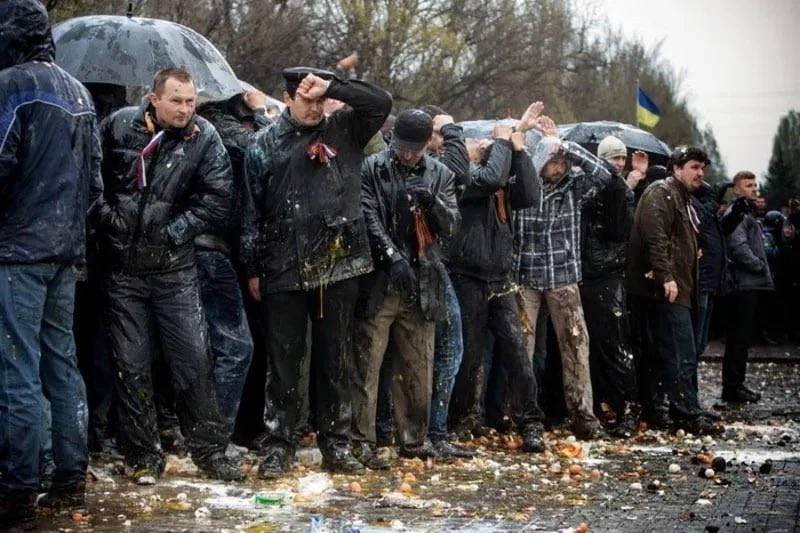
415	184
402	278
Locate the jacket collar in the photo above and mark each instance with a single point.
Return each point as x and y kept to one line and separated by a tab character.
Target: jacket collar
680	187
287	125
145	123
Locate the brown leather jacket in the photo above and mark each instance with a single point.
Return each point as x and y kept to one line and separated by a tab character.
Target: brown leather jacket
663	244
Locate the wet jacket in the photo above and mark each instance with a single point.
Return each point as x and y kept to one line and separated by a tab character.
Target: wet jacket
236	127
606	224
663	243
151	230
49	153
547	248
303	225
386	204
455	156
483	247
748	268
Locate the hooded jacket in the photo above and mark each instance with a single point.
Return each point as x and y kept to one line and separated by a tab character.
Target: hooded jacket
663	244
748	269
303	227
49	153
483	247
150	229
547	250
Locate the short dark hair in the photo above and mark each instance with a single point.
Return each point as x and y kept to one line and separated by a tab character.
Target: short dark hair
683	154
432	110
743	175
161	77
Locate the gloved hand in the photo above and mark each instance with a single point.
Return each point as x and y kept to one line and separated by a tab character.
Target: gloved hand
402	278
415	184
740	206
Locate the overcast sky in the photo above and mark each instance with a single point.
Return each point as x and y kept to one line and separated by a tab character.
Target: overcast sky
741	62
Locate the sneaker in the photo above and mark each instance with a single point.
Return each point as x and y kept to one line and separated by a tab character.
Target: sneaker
422	451
339	460
532	440
275	463
71	498
369	457
587	429
220	466
17	510
445	449
741	394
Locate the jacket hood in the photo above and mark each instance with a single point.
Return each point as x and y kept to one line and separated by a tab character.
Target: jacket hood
544	152
24	33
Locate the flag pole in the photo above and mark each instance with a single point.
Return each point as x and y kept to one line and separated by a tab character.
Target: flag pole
636	103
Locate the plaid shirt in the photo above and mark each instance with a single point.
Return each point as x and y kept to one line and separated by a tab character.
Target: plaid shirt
547	250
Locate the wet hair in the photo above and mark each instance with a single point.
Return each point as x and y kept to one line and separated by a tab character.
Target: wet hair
683	154
743	175
161	77
432	110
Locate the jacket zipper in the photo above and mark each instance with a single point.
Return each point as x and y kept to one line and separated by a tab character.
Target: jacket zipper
137	234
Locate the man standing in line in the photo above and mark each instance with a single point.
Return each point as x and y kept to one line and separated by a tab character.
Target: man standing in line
304	246
662	267
49	174
748	274
166	175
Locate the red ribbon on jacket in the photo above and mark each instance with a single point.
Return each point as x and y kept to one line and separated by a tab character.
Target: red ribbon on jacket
320	152
502	212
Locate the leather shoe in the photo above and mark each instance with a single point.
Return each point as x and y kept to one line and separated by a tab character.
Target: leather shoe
366	453
65	499
445	448
741	394
339	460
422	451
275	463
532	440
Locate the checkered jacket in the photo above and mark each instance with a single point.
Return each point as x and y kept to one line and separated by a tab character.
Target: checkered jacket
547	248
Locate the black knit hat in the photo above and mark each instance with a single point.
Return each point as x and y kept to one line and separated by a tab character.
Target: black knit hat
412	130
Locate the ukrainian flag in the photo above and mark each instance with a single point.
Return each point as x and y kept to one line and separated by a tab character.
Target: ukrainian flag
647	112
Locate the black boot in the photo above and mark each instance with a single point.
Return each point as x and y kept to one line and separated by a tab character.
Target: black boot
366	453
740	394
444	448
17	511
339	460
532	439
220	466
71	498
276	462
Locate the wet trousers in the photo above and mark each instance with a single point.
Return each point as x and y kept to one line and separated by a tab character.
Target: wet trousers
169	304
610	353
566	312
286	316
37	361
412	370
492	307
741	308
228	331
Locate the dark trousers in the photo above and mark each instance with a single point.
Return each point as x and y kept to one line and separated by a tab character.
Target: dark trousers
741	309
492	307
170	304
610	354
285	322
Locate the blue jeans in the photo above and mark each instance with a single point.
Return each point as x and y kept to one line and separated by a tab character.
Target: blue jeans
37	358
228	331
675	349
449	351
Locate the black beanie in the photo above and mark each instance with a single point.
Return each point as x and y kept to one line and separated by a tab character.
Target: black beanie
412	130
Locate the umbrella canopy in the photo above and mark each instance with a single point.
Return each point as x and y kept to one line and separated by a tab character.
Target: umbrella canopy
130	50
482	129
589	135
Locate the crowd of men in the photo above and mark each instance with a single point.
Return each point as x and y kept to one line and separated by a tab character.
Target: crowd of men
393	279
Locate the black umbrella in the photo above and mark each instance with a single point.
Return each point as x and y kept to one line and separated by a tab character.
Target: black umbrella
129	50
589	135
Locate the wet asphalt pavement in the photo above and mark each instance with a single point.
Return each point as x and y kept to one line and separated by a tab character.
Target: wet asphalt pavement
649	483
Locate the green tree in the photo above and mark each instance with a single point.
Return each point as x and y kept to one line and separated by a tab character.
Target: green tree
783	173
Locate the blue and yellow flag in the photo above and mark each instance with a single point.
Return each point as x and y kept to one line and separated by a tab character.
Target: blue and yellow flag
647	112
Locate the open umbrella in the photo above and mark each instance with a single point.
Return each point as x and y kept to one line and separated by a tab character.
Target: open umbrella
482	129
130	50
589	135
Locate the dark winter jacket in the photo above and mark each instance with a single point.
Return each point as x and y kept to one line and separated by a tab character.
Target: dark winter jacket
303	225
710	239
606	224
547	249
663	244
748	269
49	153
387	204
484	247
236	128
152	229
455	156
